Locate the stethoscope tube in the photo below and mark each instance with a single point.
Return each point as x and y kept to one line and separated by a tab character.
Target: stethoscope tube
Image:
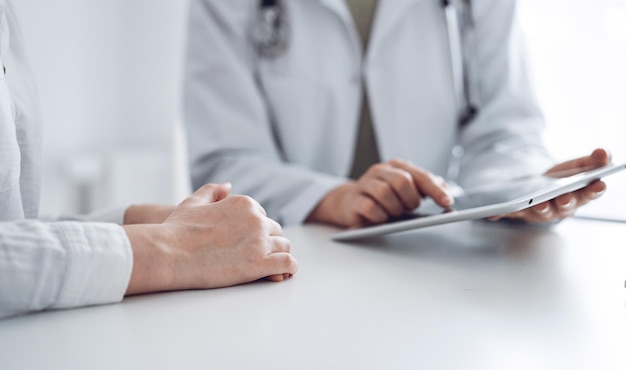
460	23
271	34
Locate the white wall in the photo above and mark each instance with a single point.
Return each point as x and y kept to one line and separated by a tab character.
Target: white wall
108	73
578	51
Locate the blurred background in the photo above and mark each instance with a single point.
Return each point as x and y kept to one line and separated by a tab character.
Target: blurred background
109	81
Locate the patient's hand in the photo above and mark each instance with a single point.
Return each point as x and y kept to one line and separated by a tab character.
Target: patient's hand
211	240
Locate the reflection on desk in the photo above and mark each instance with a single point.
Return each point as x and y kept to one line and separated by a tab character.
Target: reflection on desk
470	295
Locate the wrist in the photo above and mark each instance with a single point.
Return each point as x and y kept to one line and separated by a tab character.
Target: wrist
328	210
132	215
152	259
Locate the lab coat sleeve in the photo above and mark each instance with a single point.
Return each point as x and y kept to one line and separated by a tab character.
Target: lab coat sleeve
505	139
229	133
61	265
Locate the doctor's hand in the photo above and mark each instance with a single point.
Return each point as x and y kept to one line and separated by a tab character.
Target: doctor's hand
210	240
386	190
565	205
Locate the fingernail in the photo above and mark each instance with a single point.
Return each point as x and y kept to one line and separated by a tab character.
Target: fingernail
597	194
567	205
544	210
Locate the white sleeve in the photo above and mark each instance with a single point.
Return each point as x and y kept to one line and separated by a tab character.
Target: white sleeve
61	265
505	138
229	134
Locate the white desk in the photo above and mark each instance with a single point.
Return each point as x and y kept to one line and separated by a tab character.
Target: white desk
463	296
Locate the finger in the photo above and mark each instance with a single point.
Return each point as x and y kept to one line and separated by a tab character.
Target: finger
273	228
586	194
259	208
370	211
542	212
251	202
402	184
207	194
277	278
598	158
280	244
383	194
565	205
280	264
593	191
427	184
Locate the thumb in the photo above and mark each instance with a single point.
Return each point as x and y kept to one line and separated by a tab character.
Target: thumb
598	158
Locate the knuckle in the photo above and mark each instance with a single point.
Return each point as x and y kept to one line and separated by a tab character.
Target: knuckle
397	162
207	186
378	168
382	189
401	180
260	245
286	244
287	262
254	220
275	226
242	201
257	220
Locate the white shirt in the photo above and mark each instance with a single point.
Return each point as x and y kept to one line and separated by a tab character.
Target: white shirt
45	265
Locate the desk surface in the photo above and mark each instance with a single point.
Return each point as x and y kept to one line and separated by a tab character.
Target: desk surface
465	296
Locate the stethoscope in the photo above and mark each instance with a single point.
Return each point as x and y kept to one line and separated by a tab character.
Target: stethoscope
271	39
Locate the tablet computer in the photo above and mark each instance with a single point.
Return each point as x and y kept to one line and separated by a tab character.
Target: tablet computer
488	201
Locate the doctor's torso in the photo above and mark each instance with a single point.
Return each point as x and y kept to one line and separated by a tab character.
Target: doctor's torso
291	121
314	89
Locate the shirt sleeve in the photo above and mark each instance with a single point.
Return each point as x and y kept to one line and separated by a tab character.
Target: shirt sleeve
55	265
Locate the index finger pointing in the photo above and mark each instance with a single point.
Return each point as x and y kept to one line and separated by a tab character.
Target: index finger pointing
427	183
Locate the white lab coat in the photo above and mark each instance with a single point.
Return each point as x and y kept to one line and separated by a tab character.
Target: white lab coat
45	265
283	130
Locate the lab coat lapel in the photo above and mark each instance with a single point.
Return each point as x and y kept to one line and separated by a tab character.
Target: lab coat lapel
1	16
340	8
388	13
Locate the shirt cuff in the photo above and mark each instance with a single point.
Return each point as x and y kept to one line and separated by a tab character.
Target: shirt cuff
99	264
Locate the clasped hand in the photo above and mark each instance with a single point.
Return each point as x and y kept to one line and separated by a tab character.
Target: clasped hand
212	239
